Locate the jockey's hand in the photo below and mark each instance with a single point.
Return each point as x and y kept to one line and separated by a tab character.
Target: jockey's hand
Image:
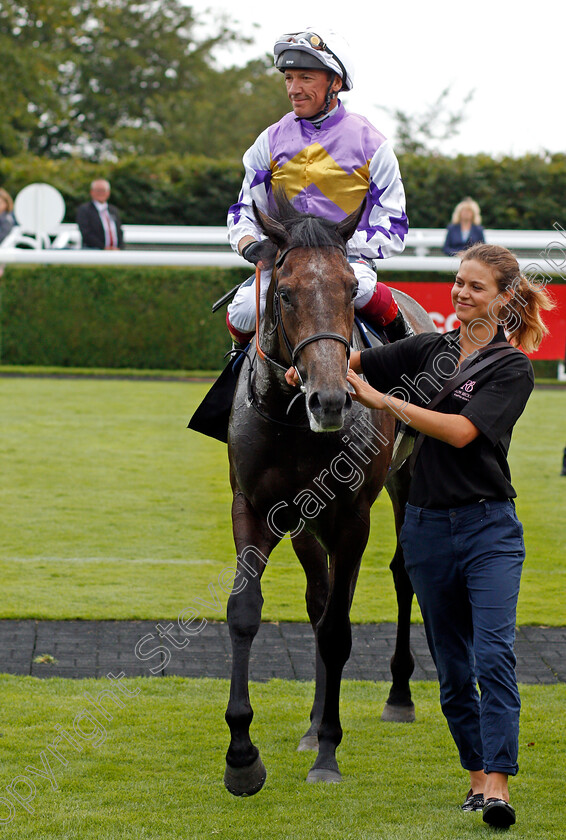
292	377
252	252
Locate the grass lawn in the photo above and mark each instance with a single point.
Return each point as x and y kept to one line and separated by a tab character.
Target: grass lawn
111	508
155	770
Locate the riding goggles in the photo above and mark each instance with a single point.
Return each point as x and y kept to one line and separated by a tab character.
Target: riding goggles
303	39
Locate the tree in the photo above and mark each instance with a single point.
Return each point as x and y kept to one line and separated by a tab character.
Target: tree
34	40
241	103
103	78
133	60
420	133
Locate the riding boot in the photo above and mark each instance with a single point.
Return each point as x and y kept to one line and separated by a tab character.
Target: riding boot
382	311
240	340
398	328
564	463
239	346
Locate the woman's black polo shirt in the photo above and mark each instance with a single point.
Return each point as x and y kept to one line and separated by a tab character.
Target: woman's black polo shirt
415	369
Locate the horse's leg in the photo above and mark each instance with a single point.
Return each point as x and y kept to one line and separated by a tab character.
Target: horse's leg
313	559
334	636
399	707
245	773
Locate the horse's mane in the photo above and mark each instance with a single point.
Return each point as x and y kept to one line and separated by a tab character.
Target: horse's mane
305	230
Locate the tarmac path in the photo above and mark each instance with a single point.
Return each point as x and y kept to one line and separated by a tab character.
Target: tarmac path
80	649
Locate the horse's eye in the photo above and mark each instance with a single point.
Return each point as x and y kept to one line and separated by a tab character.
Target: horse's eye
354	291
284	296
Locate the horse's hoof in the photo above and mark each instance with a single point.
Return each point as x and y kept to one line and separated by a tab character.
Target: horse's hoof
245	781
322	775
308	742
398	714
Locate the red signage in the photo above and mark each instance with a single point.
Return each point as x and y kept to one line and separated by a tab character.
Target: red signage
435	298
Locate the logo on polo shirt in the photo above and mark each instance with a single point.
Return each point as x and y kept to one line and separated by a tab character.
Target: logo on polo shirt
466	390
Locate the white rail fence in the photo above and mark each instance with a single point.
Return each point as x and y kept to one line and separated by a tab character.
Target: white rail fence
179	245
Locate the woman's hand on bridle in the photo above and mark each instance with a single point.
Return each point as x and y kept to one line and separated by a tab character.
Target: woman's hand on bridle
292	377
363	392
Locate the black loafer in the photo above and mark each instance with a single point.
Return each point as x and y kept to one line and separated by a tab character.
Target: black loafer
473	801
498	813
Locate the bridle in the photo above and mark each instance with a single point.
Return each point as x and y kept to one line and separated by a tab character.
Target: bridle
295	351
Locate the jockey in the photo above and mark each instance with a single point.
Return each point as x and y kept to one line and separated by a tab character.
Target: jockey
327	161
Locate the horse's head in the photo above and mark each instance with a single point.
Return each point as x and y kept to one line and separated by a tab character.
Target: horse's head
310	306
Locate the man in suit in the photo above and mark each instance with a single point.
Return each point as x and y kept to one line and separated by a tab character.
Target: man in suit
98	221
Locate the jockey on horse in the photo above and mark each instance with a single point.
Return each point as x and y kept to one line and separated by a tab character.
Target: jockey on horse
326	160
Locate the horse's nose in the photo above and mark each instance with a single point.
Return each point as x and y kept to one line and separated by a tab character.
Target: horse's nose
328	407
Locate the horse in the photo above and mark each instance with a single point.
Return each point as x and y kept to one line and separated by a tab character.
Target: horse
310	463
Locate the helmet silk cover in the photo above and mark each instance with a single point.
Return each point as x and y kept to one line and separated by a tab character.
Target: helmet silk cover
330	53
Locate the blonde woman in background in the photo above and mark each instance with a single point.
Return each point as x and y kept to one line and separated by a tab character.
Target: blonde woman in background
465	228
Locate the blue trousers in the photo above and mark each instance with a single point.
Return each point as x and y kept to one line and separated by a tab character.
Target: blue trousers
465	566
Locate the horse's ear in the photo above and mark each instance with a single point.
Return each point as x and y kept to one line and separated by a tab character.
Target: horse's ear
272	229
348	226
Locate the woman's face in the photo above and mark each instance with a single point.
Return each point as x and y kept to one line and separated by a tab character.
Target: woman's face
475	293
466	216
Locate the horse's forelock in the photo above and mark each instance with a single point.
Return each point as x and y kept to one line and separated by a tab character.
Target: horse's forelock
313	232
305	230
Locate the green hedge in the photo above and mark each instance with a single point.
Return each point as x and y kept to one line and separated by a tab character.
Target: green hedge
154	318
103	317
166	190
522	193
147	318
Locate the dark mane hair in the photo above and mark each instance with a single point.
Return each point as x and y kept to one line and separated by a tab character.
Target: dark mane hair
305	229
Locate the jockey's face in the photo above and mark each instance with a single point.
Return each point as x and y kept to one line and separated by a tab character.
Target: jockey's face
307	89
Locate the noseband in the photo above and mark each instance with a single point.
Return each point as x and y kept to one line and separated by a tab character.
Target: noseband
296	350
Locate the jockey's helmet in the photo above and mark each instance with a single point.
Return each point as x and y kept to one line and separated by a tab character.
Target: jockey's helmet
307	50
